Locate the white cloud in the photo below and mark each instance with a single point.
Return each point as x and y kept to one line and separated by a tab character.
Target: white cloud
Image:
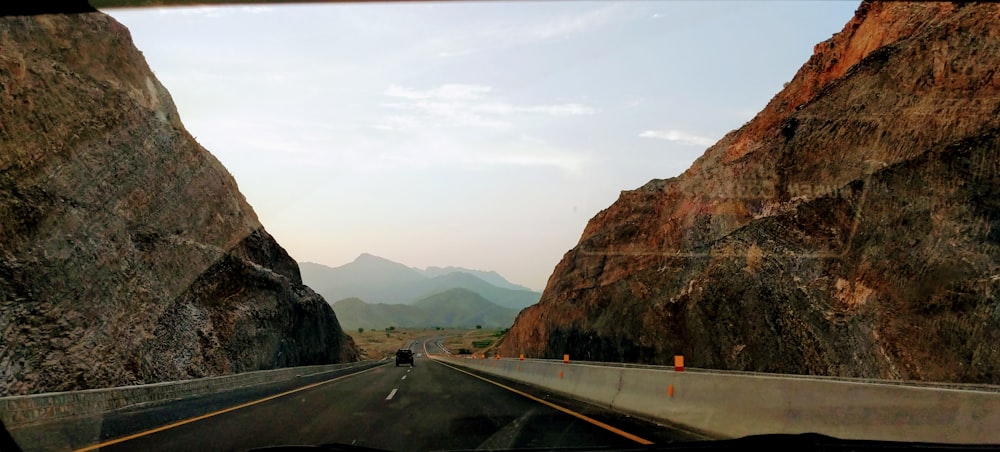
634	102
573	24
562	109
447	91
535	154
492	34
452	54
426	151
459	105
435	115
257	9
679	136
203	11
399	123
570	109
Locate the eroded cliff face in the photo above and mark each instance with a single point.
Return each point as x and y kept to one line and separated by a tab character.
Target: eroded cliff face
127	253
851	228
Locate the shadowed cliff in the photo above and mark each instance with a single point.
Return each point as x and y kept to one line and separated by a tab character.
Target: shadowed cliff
127	253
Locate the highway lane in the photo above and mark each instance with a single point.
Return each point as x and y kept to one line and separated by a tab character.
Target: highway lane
82	431
428	407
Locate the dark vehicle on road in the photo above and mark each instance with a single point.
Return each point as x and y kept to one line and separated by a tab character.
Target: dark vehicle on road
404	356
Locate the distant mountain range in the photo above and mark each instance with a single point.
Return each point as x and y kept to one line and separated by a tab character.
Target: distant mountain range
491	277
377	280
453	308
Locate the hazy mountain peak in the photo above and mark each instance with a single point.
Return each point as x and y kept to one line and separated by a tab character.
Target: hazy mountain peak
452	308
366	257
379	280
489	276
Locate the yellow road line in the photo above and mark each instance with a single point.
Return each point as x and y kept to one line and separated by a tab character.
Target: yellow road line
568	411
216	413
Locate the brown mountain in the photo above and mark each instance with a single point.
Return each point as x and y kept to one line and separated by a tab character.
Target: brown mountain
127	253
851	228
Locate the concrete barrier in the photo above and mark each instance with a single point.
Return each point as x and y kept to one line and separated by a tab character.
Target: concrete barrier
20	411
730	405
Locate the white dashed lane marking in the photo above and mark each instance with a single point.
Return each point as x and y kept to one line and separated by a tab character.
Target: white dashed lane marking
392	394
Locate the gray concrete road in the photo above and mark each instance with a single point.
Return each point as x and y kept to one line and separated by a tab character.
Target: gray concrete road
430	406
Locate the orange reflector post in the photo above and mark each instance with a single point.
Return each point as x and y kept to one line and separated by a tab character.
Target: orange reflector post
679	363
670	390
498	356
566	358
522	356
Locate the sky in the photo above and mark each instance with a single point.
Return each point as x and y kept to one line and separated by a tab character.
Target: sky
483	135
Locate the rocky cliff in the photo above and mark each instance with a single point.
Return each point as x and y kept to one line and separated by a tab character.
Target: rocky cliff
127	253
851	228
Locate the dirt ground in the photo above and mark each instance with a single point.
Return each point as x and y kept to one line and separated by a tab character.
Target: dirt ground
375	344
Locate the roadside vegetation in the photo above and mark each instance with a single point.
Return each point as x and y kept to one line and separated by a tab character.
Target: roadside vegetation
381	343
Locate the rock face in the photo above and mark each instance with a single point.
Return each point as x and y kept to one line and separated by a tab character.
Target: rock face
127	253
851	228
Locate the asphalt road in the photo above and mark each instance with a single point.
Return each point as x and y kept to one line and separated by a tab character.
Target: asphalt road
430	406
